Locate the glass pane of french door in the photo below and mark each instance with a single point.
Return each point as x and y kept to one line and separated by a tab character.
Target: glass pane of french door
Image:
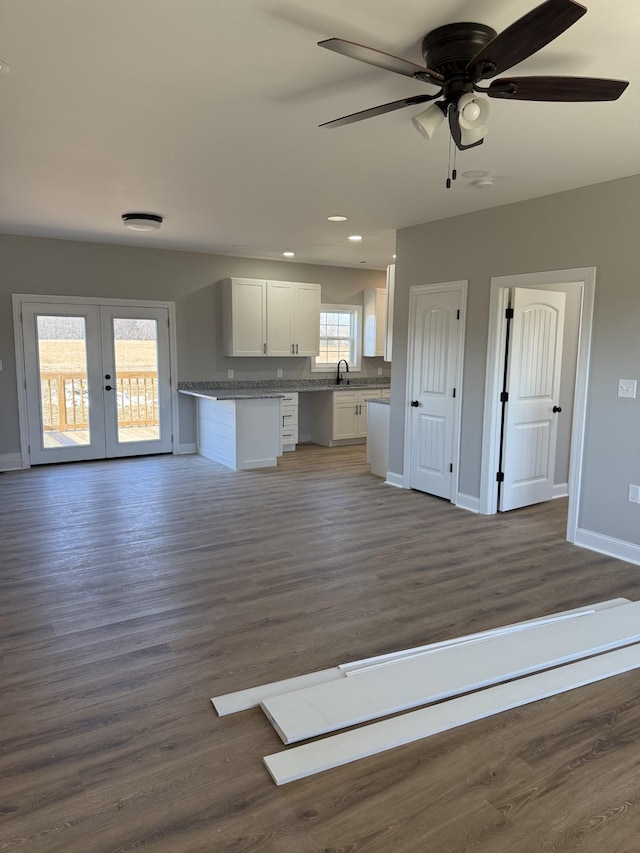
64	390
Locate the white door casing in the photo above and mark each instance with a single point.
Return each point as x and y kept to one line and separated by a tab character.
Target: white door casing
434	385
533	386
584	279
97	316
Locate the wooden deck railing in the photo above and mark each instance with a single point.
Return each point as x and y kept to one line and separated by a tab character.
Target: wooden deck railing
65	400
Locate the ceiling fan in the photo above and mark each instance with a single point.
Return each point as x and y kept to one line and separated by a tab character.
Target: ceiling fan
458	56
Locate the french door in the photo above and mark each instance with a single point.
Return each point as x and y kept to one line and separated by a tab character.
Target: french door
98	382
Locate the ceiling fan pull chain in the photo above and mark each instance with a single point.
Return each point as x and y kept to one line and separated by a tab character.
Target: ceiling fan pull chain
448	183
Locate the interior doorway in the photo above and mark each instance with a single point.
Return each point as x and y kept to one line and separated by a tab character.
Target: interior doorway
97	378
434	387
581	282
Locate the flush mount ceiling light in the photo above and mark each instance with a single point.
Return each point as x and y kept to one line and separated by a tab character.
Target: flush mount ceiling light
355	238
337	217
142	221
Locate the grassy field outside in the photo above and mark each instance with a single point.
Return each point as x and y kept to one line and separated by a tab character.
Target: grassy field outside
68	356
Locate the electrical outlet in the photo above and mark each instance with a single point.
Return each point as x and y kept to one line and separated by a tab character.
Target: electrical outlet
279	373
634	494
230	373
627	388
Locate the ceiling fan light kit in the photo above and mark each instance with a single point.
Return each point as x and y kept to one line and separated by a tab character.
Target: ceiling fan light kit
460	56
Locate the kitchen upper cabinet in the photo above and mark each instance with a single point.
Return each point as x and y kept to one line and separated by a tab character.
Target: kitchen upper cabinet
244	317
270	318
375	322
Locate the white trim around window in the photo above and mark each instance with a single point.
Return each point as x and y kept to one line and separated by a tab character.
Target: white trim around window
343	334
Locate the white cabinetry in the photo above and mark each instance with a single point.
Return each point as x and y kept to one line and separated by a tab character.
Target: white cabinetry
340	417
270	318
289	421
375	322
391	290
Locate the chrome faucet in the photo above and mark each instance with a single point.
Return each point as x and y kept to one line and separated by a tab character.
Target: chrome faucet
339	378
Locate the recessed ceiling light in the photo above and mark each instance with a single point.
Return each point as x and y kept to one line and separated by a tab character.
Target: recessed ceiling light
337	218
288	254
355	238
4	67
142	221
474	173
394	257
239	246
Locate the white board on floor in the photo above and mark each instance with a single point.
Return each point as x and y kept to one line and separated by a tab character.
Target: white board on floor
449	672
358	667
334	751
241	700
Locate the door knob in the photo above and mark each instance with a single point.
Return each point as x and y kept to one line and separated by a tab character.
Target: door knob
107	387
415	403
557	409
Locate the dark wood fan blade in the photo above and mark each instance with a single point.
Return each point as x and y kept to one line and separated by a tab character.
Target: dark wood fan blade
525	36
378	111
556	89
380	59
456	132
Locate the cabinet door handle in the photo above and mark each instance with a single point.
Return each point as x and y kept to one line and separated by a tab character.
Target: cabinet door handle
296	349
292	349
264	348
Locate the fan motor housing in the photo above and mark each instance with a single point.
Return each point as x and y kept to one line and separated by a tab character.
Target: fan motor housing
449	49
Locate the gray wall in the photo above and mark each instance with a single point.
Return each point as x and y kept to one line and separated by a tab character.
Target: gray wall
66	268
592	226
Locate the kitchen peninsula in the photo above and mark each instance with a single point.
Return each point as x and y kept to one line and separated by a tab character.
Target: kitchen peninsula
242	424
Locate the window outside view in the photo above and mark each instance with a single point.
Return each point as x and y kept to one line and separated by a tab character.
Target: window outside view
336	335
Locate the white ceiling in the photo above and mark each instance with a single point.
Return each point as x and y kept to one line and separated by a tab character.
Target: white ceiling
207	112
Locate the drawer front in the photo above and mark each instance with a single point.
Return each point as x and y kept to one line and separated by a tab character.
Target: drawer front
290	399
345	398
288	416
368	395
385	394
290	435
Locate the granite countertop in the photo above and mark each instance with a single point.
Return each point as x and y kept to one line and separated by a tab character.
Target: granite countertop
378	400
268	388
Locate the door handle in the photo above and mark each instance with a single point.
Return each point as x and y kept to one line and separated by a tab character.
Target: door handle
557	409
415	403
107	388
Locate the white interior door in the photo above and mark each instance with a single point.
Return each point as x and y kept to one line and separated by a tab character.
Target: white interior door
97	381
432	405
533	385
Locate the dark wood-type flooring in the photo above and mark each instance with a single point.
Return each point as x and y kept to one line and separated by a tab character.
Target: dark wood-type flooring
131	591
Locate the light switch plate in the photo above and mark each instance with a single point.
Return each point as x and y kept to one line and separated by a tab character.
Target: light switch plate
627	387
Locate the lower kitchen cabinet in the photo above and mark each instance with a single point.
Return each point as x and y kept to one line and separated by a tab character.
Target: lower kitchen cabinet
289	421
340	417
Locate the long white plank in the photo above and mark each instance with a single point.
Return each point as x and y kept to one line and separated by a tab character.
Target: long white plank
418	681
358	667
334	751
242	700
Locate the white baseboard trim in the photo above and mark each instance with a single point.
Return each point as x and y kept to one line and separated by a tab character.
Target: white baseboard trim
11	462
561	490
395	480
627	551
467	502
187	448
